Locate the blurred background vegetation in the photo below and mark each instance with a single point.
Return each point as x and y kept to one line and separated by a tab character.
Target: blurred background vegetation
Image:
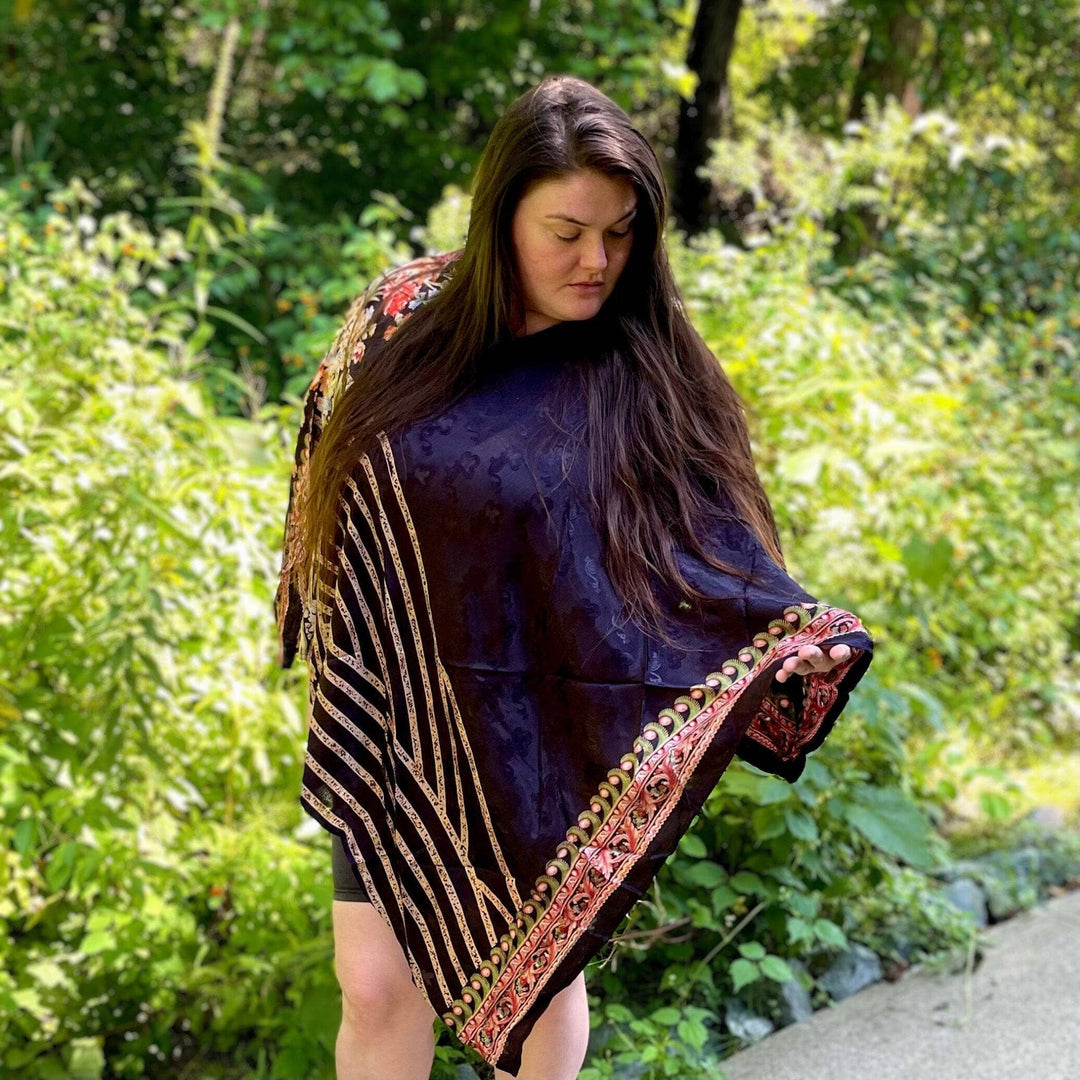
876	228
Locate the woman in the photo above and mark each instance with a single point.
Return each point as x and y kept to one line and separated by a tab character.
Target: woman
541	594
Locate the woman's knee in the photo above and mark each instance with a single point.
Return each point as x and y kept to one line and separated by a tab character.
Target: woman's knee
376	985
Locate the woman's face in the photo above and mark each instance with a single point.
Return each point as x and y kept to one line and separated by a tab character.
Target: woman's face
571	239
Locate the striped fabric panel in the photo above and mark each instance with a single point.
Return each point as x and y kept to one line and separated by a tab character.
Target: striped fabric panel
389	768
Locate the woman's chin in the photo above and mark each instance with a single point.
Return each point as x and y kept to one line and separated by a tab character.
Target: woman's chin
584	307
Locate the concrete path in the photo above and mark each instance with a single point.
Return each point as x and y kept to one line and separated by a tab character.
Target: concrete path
1024	1021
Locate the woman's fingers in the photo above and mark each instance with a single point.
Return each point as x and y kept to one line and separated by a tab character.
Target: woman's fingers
809	659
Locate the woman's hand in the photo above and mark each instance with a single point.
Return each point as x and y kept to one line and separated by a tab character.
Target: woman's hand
810	659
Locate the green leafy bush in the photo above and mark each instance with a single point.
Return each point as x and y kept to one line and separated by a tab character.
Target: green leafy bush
165	896
157	906
920	463
918	441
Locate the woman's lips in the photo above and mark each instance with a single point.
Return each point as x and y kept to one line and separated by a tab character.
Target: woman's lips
588	288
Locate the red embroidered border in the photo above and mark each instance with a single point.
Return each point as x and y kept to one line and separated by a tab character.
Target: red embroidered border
624	816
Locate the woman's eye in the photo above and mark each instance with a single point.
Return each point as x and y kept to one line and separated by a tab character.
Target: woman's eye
611	232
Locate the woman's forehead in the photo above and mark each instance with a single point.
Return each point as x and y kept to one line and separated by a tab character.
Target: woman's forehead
581	196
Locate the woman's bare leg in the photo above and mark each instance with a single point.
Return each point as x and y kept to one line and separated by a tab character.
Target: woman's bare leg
555	1048
386	1023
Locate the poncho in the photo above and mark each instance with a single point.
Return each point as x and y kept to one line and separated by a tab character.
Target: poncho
508	760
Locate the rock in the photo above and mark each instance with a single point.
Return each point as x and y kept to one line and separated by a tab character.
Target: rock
968	896
1008	882
744	1024
961	868
905	948
1057	866
905	937
1026	862
794	998
852	970
1006	893
1050	818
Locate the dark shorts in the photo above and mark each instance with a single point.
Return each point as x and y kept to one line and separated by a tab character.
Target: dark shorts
347	883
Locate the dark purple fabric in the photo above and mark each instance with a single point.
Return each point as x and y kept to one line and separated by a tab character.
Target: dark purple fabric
487	566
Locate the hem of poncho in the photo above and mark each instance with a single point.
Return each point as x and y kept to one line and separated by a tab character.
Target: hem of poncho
500	1002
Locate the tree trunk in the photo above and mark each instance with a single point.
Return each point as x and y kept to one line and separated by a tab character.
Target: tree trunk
889	59
708	116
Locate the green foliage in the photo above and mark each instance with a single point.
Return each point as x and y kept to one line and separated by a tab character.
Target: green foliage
996	60
918	442
773	872
156	905
667	1041
908	919
896	406
903	325
325	113
150	67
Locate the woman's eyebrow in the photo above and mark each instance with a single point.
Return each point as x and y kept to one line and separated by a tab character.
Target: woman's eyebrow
574	221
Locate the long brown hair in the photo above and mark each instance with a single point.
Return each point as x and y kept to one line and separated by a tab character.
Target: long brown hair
668	448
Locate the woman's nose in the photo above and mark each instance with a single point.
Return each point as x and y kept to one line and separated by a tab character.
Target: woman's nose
594	256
